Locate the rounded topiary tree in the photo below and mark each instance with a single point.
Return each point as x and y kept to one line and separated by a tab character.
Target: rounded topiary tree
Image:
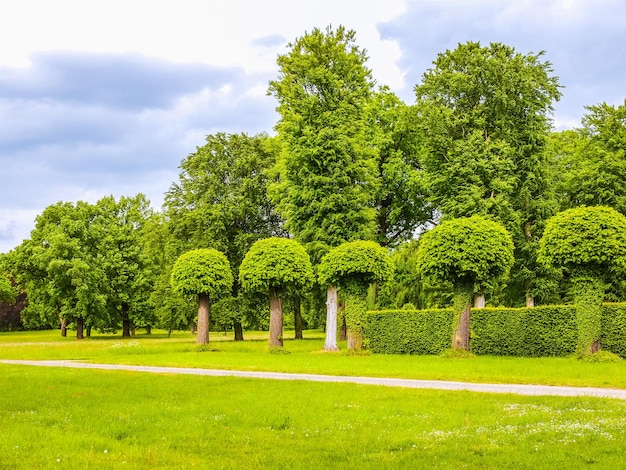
589	244
353	266
206	273
276	266
471	253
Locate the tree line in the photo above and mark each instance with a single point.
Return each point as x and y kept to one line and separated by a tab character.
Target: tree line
349	161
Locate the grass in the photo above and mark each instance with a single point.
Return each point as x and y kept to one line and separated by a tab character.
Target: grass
76	419
306	356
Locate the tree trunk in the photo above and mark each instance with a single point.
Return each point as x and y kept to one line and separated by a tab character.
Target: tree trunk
238	327
530	301
192	327
148	329
331	320
88	331
479	300
63	327
461	326
297	315
80	325
203	319
125	321
276	320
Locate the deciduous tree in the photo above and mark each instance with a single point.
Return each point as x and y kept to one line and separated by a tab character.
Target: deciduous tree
589	245
471	253
276	266
204	272
353	266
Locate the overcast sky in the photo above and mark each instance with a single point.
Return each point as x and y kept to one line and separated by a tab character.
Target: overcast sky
107	97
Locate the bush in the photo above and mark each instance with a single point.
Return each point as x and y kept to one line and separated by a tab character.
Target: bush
549	330
408	331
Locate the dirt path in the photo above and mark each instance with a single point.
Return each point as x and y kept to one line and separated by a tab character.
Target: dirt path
518	389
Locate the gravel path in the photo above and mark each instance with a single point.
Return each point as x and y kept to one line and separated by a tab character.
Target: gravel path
518	389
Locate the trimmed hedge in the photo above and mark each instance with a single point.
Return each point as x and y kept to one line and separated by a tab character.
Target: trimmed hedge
529	332
408	331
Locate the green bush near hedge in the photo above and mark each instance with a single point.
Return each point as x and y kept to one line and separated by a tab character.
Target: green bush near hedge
530	332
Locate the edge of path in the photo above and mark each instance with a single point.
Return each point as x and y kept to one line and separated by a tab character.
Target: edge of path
519	389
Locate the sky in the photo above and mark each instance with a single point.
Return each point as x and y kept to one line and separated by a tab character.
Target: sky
103	98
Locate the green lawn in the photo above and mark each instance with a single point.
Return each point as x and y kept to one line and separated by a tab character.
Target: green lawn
76	419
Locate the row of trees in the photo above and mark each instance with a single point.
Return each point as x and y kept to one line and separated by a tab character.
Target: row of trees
350	161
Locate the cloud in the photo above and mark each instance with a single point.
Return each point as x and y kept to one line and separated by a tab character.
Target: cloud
579	38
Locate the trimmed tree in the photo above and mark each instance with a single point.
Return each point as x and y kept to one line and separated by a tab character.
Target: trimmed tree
589	245
353	266
206	273
276	266
472	253
7	294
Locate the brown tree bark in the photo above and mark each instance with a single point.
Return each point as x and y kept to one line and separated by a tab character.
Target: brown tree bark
125	321
63	327
80	325
330	343
238	327
462	312
297	315
203	319
479	300
276	320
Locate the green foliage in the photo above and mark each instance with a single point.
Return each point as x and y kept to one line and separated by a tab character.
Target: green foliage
469	252
7	293
400	202
544	331
584	241
613	337
279	264
484	114
326	172
593	160
220	200
355	265
202	271
457	353
408	332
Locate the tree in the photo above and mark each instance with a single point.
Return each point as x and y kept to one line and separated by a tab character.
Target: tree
485	115
276	266
220	200
354	266
589	245
59	270
204	272
326	168
119	251
400	200
593	160
471	253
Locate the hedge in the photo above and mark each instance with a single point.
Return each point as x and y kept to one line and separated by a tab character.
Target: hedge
530	332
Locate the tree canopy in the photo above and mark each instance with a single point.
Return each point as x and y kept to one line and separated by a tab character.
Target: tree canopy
326	168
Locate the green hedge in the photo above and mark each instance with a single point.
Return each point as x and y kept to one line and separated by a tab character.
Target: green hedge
408	331
613	336
529	332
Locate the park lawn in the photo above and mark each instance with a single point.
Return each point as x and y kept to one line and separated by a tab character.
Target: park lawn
306	356
77	419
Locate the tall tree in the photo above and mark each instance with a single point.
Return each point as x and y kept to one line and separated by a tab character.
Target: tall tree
485	114
327	168
220	200
119	250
